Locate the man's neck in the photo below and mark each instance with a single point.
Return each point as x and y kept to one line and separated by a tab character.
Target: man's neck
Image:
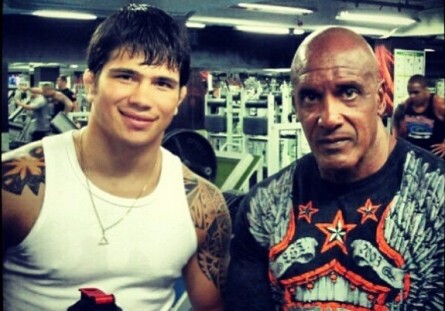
119	169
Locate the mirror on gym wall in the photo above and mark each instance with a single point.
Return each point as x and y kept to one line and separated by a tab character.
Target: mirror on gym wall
24	75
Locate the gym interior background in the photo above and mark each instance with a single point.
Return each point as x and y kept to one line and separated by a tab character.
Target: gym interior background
237	124
240	98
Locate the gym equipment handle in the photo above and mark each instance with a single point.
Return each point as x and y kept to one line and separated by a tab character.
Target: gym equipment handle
202	170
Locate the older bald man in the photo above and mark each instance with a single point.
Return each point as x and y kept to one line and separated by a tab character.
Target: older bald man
357	224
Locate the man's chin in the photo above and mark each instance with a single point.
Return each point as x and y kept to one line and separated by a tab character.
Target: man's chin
333	163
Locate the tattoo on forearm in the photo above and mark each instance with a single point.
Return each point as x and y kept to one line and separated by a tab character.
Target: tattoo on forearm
24	171
210	214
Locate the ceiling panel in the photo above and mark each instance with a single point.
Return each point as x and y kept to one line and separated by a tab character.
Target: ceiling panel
430	13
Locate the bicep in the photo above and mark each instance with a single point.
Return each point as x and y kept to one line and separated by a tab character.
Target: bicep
202	291
206	272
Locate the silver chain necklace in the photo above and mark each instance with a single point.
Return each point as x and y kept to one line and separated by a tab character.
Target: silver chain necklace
104	240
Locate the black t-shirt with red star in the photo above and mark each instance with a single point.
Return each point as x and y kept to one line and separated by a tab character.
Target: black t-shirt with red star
302	243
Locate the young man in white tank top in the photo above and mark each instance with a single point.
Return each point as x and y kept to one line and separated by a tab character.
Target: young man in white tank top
107	206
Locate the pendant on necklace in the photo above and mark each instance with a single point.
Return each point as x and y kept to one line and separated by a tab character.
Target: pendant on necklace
103	241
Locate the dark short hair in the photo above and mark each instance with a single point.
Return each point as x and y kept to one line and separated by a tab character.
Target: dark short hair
419	79
141	28
63	78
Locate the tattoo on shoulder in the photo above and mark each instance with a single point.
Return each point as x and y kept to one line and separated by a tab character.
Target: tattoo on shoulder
210	214
27	170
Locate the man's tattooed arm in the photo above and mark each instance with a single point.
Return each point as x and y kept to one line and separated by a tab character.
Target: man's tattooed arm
23	181
211	217
25	169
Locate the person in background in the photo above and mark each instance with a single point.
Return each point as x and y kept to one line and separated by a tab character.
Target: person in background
48	90
21	96
106	206
61	84
357	224
420	119
40	113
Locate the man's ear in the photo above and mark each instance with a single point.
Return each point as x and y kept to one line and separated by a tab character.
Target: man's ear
182	96
89	82
381	98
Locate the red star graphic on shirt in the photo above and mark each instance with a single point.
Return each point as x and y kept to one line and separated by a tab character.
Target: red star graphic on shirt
368	211
335	233
306	211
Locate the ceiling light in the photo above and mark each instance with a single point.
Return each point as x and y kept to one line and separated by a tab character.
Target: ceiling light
235	22
275	8
195	25
377	18
298	31
429	50
63	14
278	70
221	20
265	30
365	31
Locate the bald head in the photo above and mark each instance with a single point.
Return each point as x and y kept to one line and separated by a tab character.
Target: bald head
333	46
339	100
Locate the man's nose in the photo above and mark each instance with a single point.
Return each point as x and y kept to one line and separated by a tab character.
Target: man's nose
141	94
330	114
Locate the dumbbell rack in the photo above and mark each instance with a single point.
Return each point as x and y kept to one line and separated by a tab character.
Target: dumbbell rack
283	140
220	115
269	133
256	128
286	141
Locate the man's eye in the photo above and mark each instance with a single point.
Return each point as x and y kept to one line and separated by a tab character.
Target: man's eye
125	77
349	93
165	84
309	98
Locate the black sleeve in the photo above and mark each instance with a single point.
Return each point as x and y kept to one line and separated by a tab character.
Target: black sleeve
248	287
72	96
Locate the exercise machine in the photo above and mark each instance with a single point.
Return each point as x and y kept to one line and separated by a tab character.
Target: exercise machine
221	121
194	150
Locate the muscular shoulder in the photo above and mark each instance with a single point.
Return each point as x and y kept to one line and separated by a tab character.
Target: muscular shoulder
23	179
23	168
213	227
206	202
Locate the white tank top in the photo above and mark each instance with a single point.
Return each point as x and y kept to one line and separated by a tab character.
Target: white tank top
61	254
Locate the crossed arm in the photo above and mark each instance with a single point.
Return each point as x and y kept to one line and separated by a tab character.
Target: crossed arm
69	104
19	101
205	274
